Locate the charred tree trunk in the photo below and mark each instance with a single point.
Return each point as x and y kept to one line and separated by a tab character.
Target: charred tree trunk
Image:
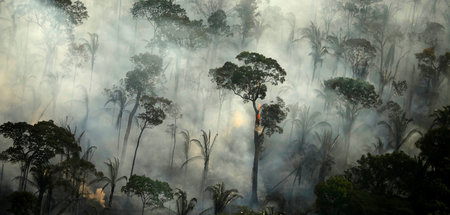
113	186
258	138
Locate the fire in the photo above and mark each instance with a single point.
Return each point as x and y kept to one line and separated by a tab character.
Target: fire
98	196
259	128
259	113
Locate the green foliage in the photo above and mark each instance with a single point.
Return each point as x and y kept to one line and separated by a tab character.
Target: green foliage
389	174
23	203
247	14
249	80
145	75
333	195
153	193
397	126
170	24
272	115
432	68
70	13
157	10
217	23
356	93
155	112
35	145
358	52
222	197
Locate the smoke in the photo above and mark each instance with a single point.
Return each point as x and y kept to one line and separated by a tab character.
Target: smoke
37	82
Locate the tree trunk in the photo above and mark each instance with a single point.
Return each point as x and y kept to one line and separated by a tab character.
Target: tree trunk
205	174
135	151
174	136
113	186
254	196
130	122
92	70
40	197
143	207
348	133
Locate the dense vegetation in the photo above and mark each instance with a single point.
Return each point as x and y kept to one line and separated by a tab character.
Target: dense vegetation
333	107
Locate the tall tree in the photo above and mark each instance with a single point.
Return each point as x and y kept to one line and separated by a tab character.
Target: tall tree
92	46
315	37
159	13
247	13
358	52
249	82
327	144
432	68
187	145
175	113
206	147
155	110
153	193
33	145
222	197
118	96
398	127
139	81
354	95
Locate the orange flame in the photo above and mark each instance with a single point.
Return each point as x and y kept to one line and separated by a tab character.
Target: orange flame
259	112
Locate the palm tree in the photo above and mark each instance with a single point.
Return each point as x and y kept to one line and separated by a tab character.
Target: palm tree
327	96
118	96
206	149
43	179
315	37
328	142
336	43
307	122
397	126
183	207
293	118
187	144
222	197
92	46
113	178
174	113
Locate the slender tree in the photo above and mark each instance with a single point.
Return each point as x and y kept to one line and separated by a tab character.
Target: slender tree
174	113
206	147
353	96
92	46
155	112
249	82
187	145
328	143
398	127
139	81
315	37
118	96
113	178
